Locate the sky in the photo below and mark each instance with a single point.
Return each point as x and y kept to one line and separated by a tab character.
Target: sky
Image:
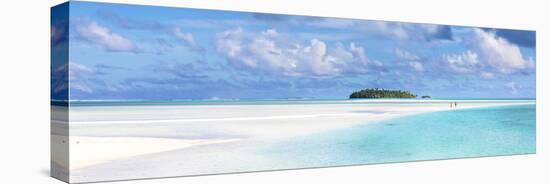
129	52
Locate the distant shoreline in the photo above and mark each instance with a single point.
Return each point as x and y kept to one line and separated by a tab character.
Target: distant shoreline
77	103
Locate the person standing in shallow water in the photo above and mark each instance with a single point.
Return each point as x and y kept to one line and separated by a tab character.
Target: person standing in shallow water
455	104
451	103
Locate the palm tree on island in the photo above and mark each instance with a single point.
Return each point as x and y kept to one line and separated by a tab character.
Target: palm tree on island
381	93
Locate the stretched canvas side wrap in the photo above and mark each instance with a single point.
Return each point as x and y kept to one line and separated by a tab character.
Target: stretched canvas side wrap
151	92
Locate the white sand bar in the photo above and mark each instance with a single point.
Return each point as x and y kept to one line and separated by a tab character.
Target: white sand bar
260	121
87	151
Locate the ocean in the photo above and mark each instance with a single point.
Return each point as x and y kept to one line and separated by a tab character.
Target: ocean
477	132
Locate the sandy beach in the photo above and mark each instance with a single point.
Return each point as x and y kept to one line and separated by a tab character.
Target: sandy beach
103	137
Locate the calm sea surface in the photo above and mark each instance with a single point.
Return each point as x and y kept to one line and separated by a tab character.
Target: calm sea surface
489	131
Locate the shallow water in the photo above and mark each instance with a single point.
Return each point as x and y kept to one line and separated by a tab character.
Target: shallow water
476	132
504	130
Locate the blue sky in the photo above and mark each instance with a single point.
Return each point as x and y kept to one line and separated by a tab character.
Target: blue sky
159	53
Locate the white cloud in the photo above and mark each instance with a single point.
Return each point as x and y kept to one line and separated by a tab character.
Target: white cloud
186	38
78	76
488	56
81	86
267	52
409	59
105	38
467	62
498	53
405	55
270	33
73	70
229	42
76	70
417	66
85	79
487	75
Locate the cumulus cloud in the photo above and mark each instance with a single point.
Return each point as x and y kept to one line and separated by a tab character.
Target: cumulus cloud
409	59
466	62
499	53
186	38
487	75
519	37
489	55
76	70
105	38
83	78
75	76
267	52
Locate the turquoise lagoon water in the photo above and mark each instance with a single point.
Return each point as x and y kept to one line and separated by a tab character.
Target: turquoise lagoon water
478	132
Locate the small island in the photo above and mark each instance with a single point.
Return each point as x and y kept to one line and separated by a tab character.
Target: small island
426	96
381	93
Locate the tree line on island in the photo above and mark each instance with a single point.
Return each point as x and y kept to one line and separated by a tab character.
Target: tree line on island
383	93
